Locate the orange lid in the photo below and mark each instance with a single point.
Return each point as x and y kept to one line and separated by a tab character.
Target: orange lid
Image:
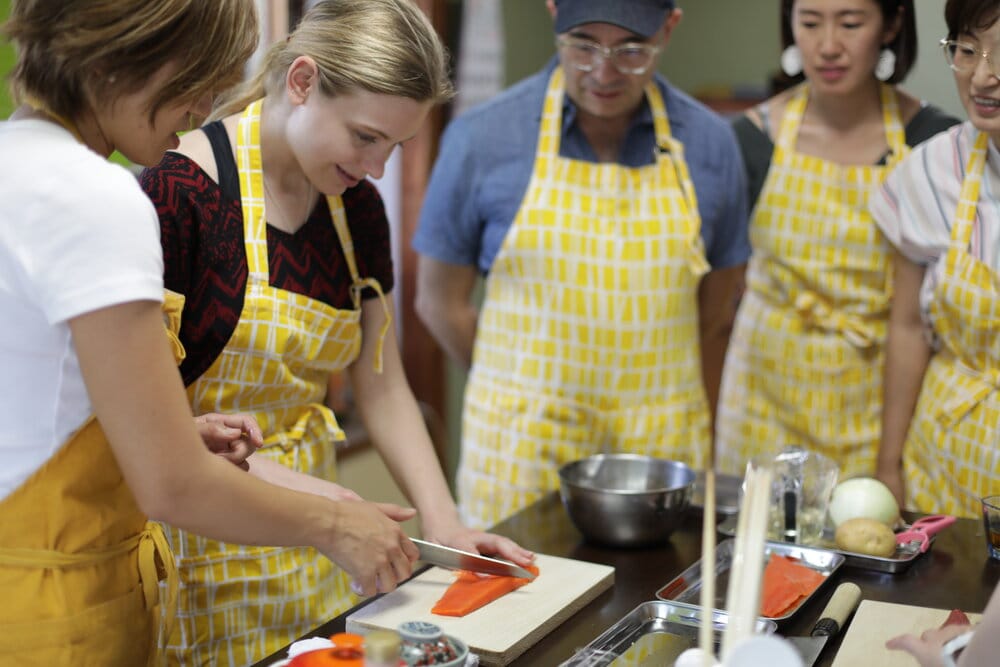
346	652
347	640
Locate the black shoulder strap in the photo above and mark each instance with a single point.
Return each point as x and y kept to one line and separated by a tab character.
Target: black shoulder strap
225	161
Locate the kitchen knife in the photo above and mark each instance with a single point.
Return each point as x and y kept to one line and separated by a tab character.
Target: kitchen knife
843	603
455	559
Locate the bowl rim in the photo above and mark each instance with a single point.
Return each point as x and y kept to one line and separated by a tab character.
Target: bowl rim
623	456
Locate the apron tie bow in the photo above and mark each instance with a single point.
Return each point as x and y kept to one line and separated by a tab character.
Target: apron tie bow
814	311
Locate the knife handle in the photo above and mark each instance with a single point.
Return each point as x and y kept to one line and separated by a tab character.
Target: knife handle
843	603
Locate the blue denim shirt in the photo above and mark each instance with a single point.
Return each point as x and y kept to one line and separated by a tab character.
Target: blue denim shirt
487	155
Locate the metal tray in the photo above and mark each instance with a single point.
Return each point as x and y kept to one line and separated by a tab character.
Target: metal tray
727	493
898	562
685	588
650	634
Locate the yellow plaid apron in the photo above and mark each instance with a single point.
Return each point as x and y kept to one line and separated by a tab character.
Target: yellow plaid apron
239	604
79	562
588	337
952	455
804	365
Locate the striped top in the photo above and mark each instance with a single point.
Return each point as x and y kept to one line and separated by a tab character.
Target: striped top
915	206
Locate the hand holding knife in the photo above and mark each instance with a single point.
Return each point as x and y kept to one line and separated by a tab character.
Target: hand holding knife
456	559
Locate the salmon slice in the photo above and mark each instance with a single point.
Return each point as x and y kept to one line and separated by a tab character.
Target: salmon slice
956	617
471	591
786	582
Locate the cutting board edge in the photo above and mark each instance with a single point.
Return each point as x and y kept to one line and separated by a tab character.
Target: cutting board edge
842	658
494	659
489	658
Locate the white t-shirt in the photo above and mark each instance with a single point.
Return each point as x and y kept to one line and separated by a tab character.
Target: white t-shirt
76	234
915	207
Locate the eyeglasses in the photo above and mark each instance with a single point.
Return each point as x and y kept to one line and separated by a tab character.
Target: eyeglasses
964	58
630	58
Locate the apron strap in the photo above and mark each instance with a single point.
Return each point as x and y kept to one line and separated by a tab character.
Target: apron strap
173	308
358	283
970	387
66	123
791	119
251	175
968	200
895	134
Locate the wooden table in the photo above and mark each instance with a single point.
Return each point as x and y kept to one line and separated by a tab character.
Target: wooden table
956	573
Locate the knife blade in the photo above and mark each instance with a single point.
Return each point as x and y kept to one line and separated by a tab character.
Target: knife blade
843	603
456	559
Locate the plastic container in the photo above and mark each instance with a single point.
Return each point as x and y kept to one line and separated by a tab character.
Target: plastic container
382	649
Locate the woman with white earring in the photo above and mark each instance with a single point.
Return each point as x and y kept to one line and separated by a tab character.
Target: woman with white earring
804	365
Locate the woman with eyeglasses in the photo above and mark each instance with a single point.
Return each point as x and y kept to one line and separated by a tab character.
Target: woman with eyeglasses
940	210
804	365
606	210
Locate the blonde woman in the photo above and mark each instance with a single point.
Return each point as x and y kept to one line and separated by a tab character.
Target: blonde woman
281	247
96	433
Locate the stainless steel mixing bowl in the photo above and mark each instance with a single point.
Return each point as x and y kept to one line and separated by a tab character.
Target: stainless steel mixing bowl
626	500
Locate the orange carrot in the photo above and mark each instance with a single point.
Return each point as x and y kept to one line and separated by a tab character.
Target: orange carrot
471	591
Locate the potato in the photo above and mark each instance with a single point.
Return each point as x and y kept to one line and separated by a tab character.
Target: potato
866	536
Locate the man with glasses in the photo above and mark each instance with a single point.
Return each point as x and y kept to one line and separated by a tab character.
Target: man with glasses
607	211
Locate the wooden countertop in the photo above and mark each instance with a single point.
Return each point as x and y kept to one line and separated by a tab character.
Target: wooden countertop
956	573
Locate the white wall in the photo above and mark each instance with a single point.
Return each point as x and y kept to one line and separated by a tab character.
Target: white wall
931	79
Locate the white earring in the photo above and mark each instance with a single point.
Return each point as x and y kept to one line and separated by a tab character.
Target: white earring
886	66
791	61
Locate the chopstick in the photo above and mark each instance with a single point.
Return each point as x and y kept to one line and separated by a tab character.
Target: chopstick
707	599
743	595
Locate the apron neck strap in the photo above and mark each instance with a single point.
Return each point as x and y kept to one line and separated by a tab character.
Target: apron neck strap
358	283
894	133
550	134
965	214
250	169
62	121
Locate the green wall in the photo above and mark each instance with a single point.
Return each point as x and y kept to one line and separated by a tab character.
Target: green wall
722	44
701	53
6	63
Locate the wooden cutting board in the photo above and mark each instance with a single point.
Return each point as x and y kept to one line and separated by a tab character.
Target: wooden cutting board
876	622
503	629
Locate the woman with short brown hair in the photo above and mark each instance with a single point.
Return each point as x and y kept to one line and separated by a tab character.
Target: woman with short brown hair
96	432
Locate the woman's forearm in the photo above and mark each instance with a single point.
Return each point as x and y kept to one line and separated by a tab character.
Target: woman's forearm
396	426
280	475
906	359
